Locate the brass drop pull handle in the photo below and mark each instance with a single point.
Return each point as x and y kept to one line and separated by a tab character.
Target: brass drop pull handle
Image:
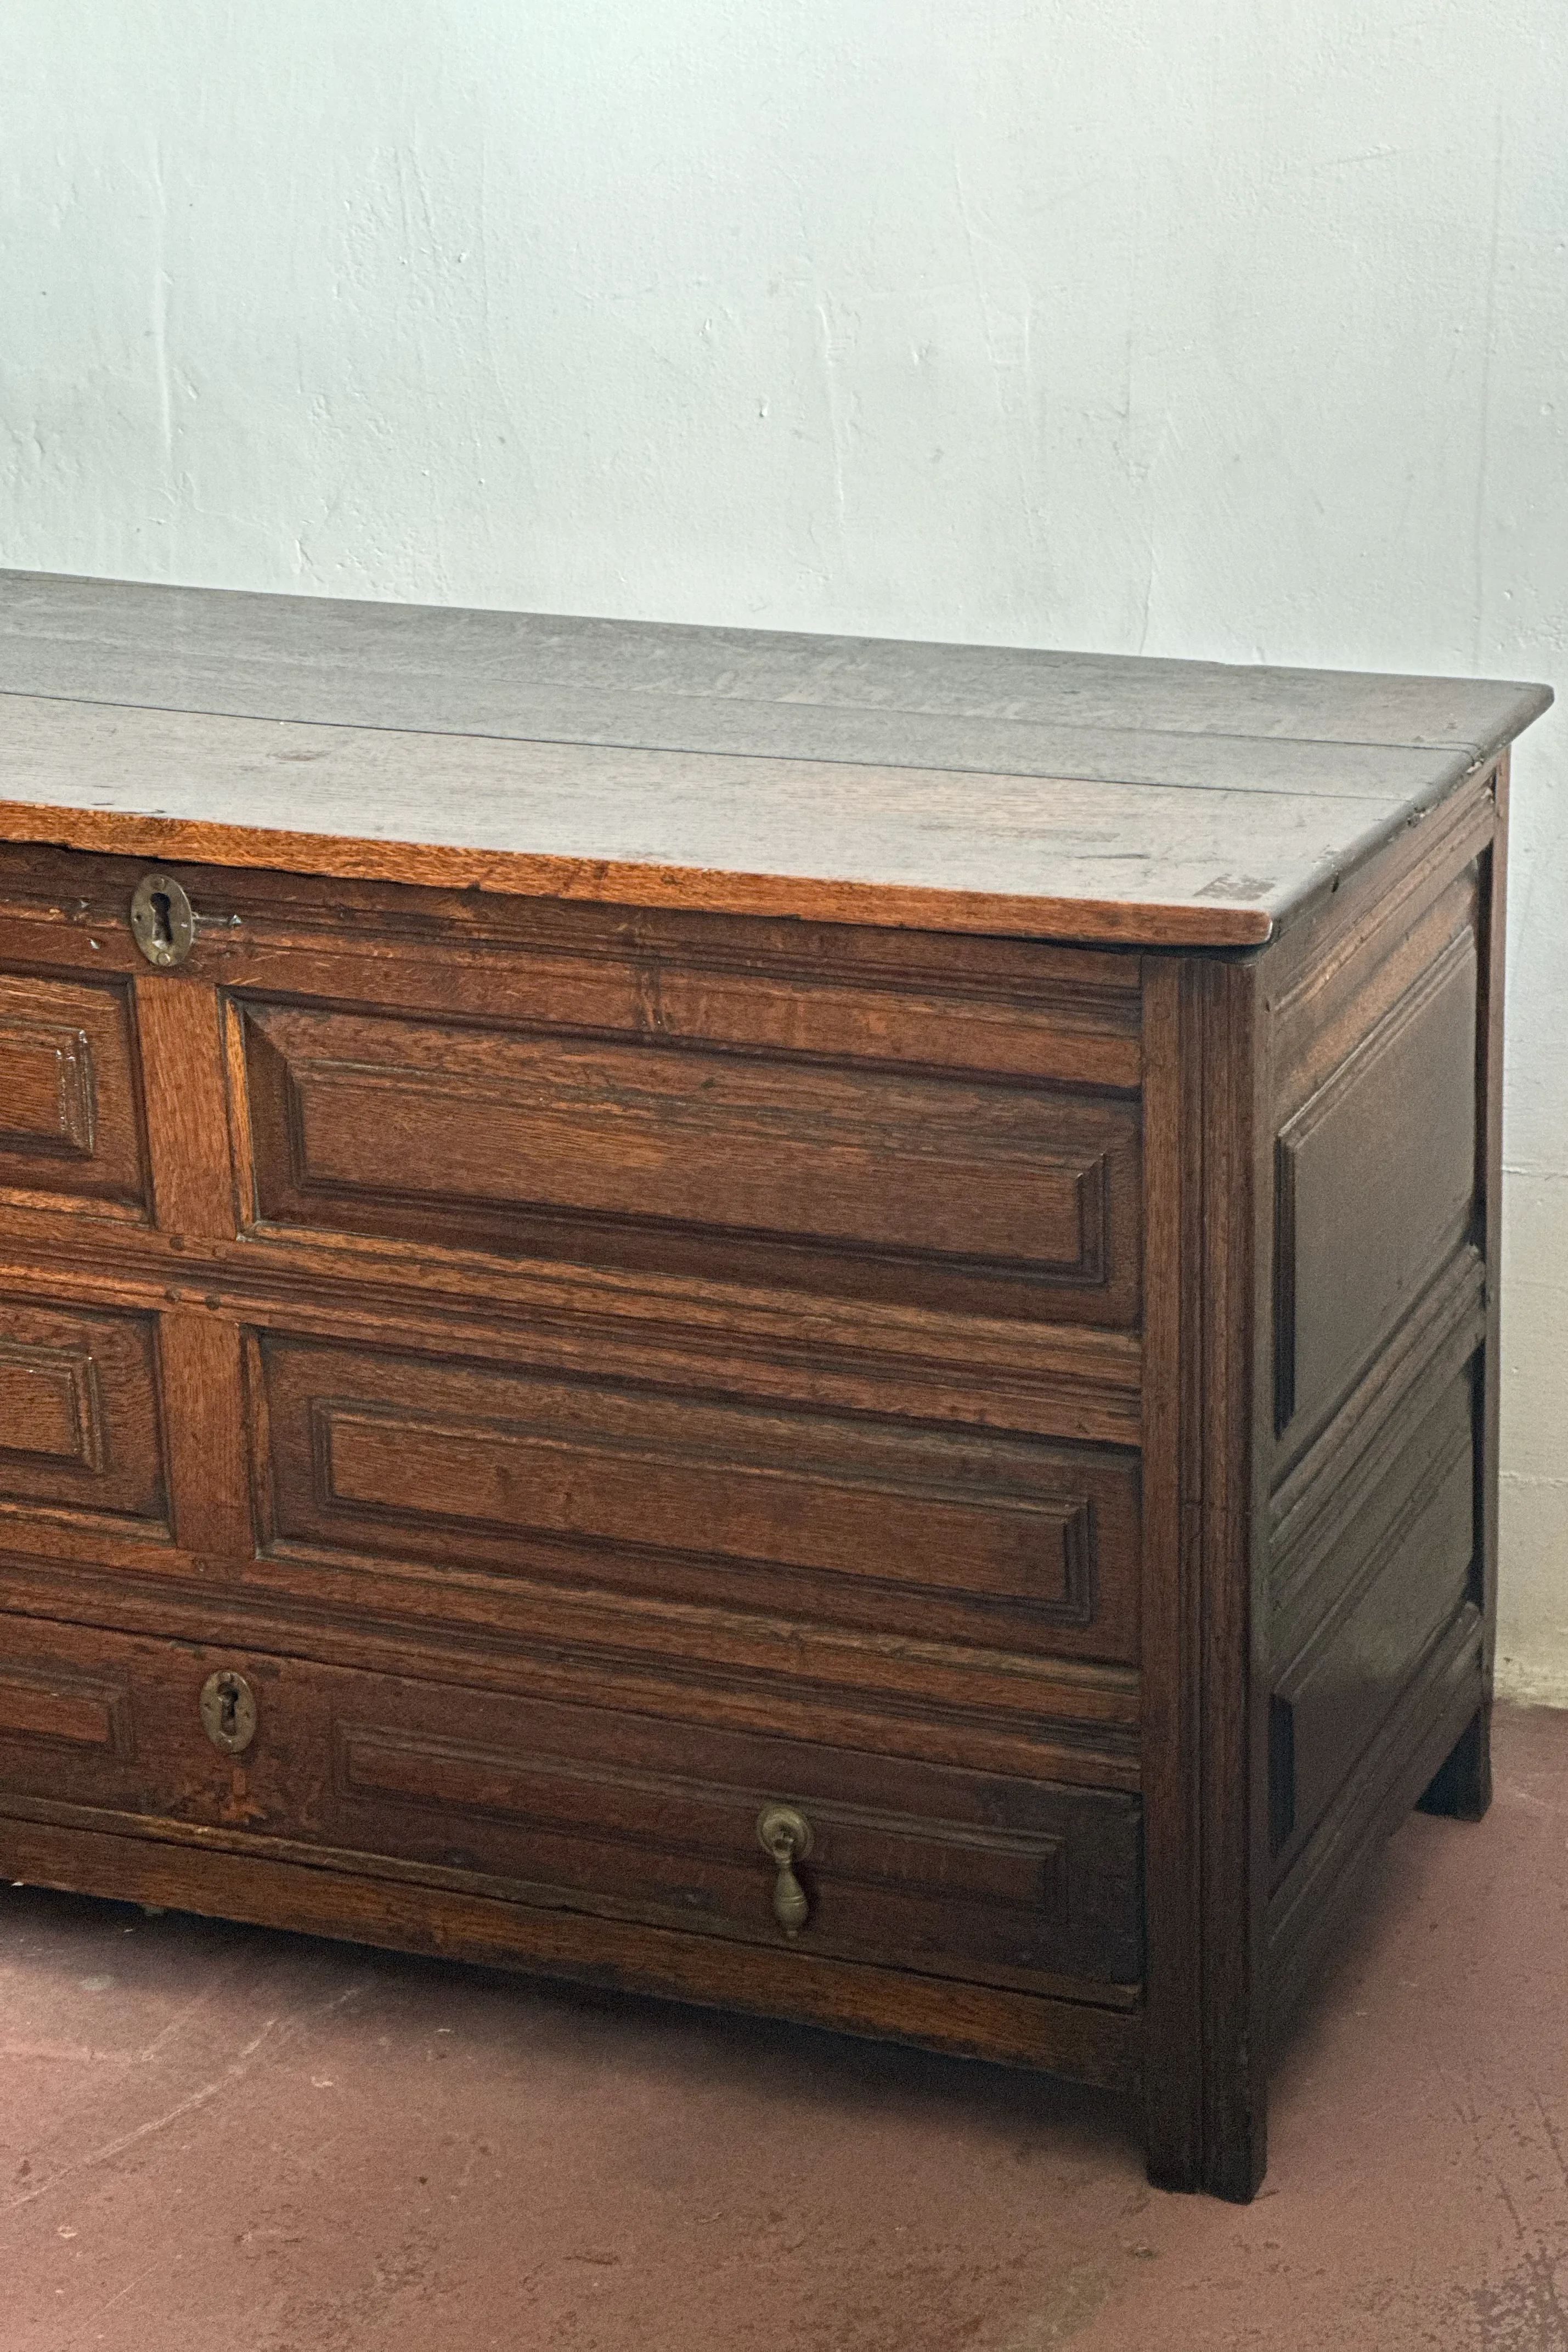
785	1836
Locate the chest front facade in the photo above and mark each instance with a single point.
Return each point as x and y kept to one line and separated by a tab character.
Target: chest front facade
934	1485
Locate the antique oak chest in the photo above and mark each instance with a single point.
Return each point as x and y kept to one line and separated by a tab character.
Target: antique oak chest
806	1323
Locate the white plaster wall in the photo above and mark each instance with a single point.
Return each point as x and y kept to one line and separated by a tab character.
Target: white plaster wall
1184	326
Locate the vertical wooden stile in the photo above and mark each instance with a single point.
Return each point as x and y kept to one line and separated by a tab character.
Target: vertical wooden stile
178	1020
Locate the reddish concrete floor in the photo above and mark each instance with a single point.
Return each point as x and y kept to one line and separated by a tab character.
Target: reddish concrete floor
212	2135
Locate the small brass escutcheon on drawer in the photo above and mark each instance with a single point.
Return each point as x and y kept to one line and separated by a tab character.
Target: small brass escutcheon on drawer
162	921
229	1711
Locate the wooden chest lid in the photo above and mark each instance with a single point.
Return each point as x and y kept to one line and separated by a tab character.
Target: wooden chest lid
968	788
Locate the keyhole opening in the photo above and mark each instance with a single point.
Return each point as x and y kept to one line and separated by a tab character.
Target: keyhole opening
163	920
228	1710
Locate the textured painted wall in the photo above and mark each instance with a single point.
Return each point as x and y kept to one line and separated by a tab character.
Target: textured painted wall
1183	326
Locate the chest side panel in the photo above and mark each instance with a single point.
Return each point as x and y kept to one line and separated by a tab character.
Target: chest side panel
1375	1478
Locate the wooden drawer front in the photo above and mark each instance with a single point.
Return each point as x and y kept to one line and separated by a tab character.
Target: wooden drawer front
79	1426
948	1872
69	1121
824	1518
874	1182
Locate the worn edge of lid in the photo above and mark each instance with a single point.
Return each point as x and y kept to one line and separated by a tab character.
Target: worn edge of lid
689	888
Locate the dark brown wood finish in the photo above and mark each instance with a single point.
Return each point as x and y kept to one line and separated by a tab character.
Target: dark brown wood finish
715	1221
1205	1723
1380	1554
940	787
1463	1786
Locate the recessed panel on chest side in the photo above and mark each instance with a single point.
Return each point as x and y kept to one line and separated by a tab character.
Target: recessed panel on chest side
1376	1184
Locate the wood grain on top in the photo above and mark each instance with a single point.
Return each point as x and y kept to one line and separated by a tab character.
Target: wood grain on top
953	787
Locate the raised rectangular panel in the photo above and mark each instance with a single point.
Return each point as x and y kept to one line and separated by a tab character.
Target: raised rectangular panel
80	1422
1338	1864
50	1404
70	1115
858	1179
579	1796
1390	1582
958	1875
47	1094
44	1703
842	1519
574	1796
1375	1179
1360	1482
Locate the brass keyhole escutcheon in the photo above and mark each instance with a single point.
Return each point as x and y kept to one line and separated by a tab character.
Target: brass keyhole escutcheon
228	1712
786	1837
162	921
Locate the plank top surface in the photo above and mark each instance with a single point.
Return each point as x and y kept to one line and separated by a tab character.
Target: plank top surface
1064	795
